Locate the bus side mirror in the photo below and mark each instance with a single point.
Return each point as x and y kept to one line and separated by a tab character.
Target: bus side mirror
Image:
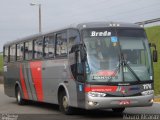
83	55
155	56
82	52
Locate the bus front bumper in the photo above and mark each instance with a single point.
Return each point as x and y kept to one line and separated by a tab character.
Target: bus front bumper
118	102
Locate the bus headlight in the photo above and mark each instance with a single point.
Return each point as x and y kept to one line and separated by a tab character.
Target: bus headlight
92	103
148	92
96	94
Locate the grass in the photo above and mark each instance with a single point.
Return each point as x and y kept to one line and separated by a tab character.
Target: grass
153	34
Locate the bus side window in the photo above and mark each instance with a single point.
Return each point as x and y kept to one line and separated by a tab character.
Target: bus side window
19	56
74	38
61	44
38	48
12	53
6	54
28	50
49	46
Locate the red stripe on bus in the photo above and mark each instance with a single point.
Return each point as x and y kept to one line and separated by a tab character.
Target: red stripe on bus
36	70
23	84
101	89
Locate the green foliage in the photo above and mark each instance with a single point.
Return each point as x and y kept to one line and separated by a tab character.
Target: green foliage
153	34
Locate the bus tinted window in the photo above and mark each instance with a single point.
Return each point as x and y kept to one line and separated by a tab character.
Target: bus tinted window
38	48
61	44
20	52
6	54
74	38
28	50
131	33
12	53
49	46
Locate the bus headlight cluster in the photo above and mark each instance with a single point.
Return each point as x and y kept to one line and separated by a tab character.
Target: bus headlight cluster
148	92
96	94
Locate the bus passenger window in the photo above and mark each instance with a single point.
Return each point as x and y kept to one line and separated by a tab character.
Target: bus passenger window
28	50
49	47
38	48
19	52
6	54
61	44
12	53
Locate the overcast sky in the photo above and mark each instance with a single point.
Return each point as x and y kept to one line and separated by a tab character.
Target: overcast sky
18	19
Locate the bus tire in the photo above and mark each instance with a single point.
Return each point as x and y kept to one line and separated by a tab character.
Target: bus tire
118	110
19	98
64	104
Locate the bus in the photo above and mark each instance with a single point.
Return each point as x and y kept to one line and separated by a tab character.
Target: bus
95	65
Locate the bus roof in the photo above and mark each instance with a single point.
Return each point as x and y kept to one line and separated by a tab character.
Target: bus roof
107	24
78	26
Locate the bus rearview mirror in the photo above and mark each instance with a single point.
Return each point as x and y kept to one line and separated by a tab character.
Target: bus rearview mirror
82	52
155	56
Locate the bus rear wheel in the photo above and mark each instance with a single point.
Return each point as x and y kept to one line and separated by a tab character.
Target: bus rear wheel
19	98
64	104
118	110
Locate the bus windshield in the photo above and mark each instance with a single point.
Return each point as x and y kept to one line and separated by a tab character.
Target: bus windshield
117	55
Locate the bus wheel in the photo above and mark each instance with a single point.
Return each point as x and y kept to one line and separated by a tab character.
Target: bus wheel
118	110
63	104
19	98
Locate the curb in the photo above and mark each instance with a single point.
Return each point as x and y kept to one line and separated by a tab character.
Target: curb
157	99
158	96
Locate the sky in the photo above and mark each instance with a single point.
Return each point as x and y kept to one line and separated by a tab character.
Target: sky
18	19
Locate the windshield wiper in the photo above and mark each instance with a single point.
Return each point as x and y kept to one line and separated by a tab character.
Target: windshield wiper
132	71
124	63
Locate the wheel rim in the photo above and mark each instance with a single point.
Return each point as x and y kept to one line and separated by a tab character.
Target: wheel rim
65	102
18	96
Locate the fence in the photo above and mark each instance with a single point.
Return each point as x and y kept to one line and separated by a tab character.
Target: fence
146	22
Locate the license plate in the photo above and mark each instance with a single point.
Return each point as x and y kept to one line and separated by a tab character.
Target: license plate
124	102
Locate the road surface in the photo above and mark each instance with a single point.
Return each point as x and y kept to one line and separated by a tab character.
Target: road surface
33	111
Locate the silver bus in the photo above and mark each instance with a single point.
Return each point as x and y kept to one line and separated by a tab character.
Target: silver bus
96	65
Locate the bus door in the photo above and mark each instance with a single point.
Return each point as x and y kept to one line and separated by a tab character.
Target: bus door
80	74
77	68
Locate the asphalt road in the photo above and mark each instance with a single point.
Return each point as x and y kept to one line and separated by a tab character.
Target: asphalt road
41	111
